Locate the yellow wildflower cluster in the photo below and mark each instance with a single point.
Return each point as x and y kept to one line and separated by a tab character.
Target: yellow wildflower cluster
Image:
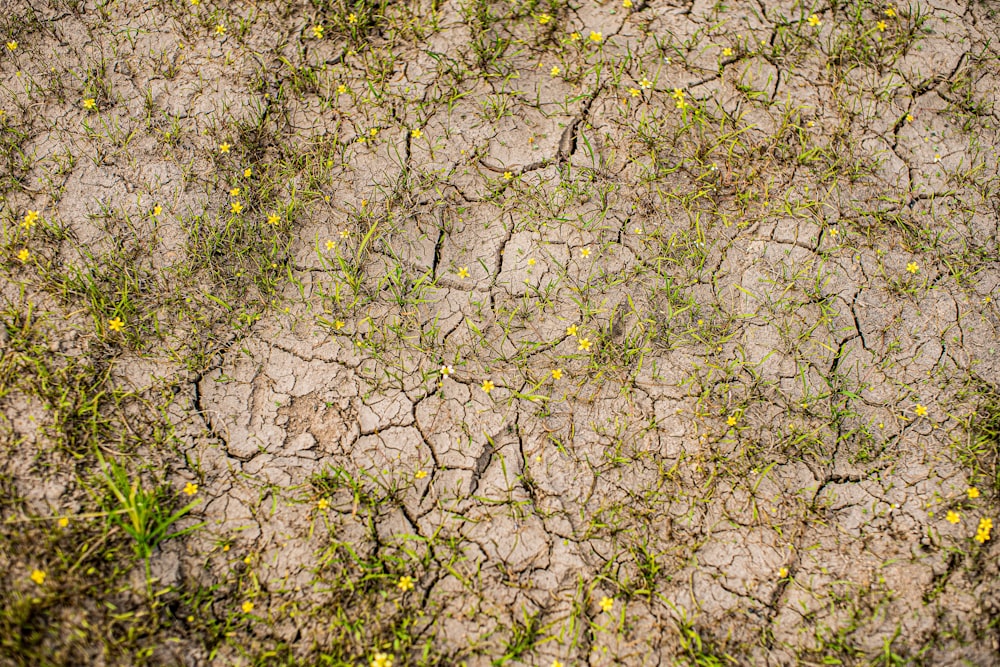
983	531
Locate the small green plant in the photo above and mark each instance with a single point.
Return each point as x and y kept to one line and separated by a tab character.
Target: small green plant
143	514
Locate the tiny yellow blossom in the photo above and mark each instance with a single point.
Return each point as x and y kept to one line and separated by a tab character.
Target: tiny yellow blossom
317	31
157	210
557	373
556	663
190	489
584	345
248	172
345	234
607	604
234	192
634	92
330	245
973	493
912	267
571	330
488	386
24	255
953	517
417	133
116	324
420	474
531	261
63	521
322	504
921	410
645	84
544	18
627	4
405	583
352	18
909	118
247	607
574	36
881	25
381	660
273	219
339	324
983	531
814	20
224	147
38	577
596	37
236	207
555	70
727	52
11	45
508	175
220	29
30	218
782	572
90	104
463	272
890	12
585	252
732	420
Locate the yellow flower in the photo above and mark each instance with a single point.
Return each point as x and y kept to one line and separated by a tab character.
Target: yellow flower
833	231
63	521
732	420
909	118
585	252
236	207
273	219
814	20
890	12
247	607
417	133
38	577
607	604
90	104
983	531
557	374
634	92
234	192
344	233
196	2
645	84
556	663
507	175
574	36
596	37
116	324
571	330
224	147
352	18
30	218
921	410
463	272
627	4
584	345
554	71
488	386
220	29
322	504
727	51
381	660
341	89
405	583
678	94
339	324
248	172
973	493
912	267
544	18
531	261
317	31
157	210
190	489
330	245
24	255
373	132
881	26
420	474
11	45
953	517
782	573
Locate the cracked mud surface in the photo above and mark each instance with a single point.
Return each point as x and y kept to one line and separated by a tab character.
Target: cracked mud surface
650	334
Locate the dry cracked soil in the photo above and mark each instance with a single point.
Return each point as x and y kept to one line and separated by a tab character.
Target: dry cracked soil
499	332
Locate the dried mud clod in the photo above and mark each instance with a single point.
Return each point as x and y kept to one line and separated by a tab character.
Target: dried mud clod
499	333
